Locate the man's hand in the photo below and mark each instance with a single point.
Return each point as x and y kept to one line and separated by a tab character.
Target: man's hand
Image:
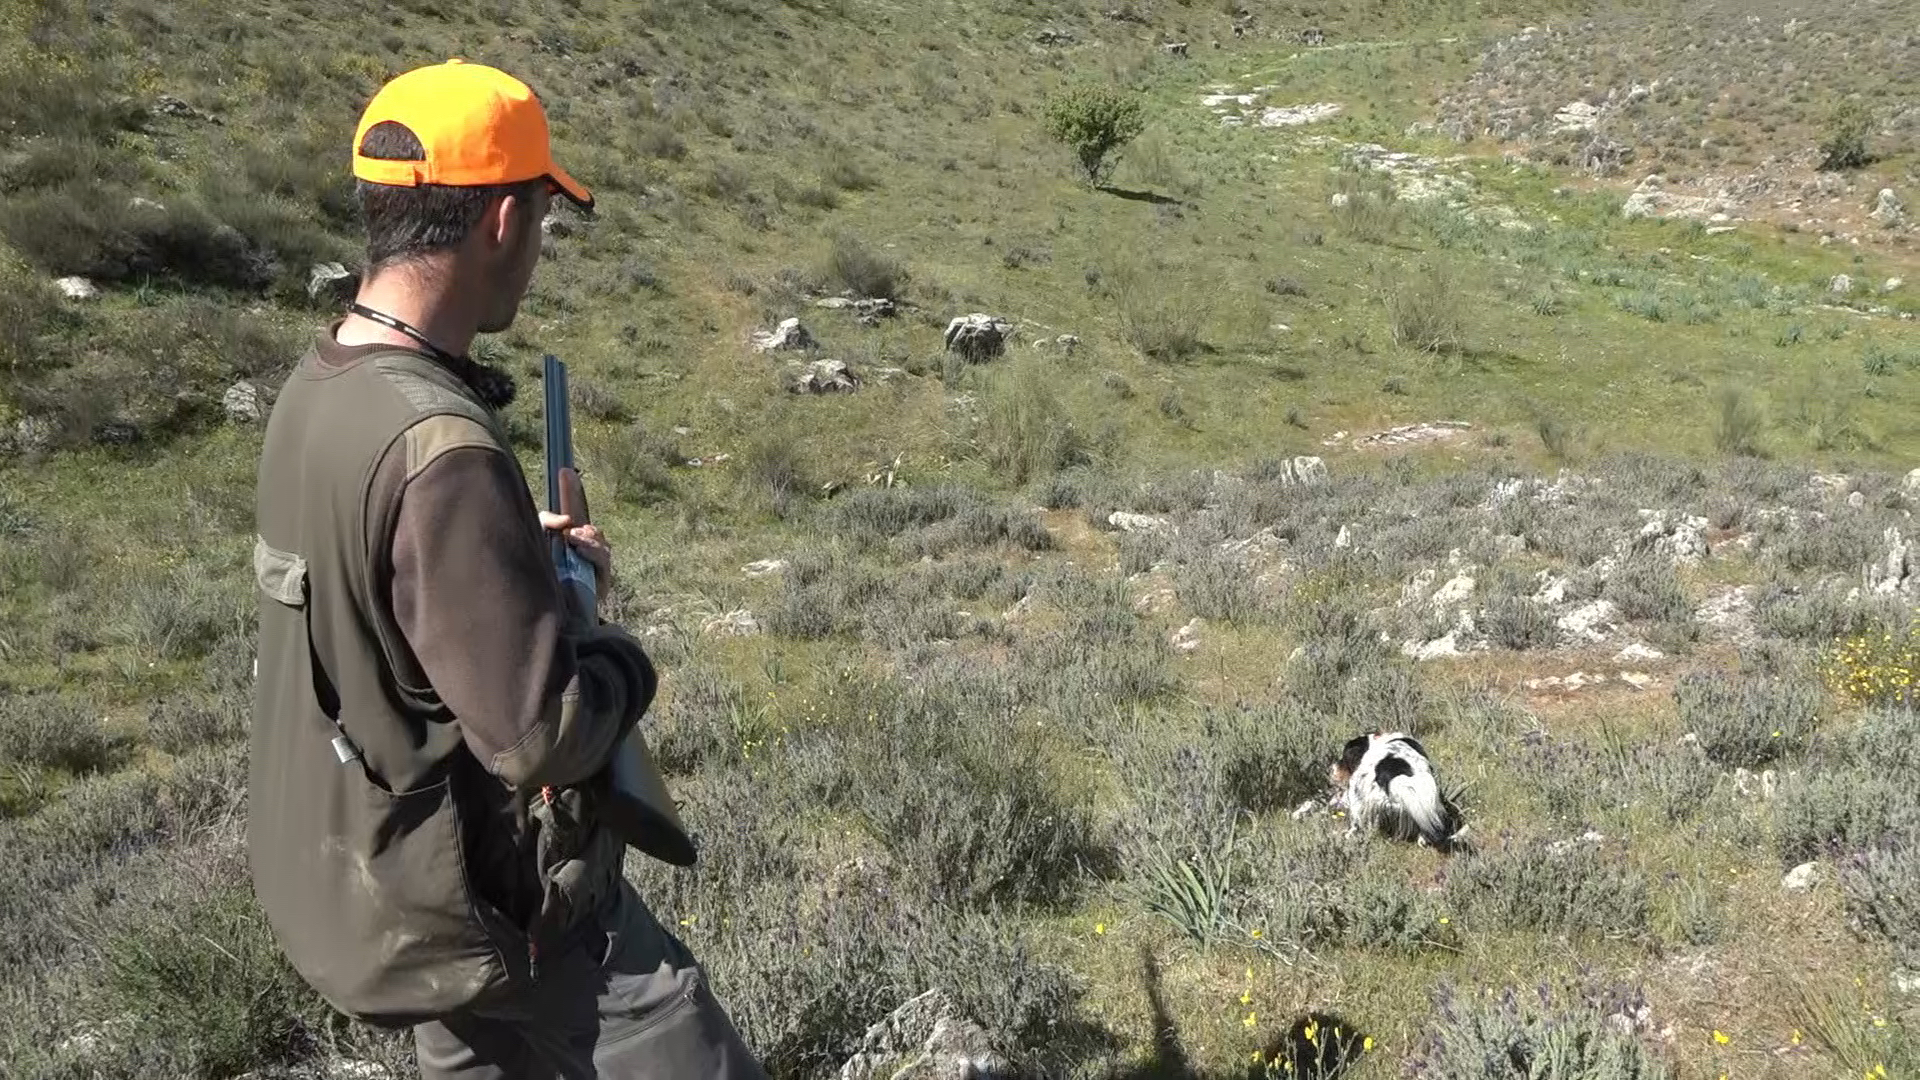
590	542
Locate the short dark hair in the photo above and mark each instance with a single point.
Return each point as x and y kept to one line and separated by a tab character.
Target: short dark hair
407	222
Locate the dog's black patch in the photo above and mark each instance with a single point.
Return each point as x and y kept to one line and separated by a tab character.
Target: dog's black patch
1389	768
1355	749
1415	743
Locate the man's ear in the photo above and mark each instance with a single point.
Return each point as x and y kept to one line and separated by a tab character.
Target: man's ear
504	221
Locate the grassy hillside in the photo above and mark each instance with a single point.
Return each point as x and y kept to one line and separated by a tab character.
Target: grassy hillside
970	732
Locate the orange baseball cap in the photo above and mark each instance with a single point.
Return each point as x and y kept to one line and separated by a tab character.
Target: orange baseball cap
479	125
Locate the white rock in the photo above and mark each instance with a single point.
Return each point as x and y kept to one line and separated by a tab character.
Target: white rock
1637	652
1297	115
1138	523
834	303
77	288
821	377
1576	116
331	279
1440	648
1412	434
1801	878
1639	680
353	1069
1892	284
1345	537
1840	285
1590	622
1857	499
1337	200
1906	981
1912	484
247	402
556	226
925	1039
1187	638
1887	210
1552	588
1749	784
978	337
764	567
1457	590
739	623
788	336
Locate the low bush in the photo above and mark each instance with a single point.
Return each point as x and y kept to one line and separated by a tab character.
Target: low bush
1564	887
183	616
1843	145
638	462
1553	1033
1093	122
1643	586
1883	896
180	724
49	732
1747	720
1025	432
1424	312
1836	811
863	272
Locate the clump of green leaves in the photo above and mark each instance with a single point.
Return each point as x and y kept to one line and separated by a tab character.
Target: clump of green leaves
1844	145
1093	122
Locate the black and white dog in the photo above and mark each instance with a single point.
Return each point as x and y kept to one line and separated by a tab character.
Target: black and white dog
1385	782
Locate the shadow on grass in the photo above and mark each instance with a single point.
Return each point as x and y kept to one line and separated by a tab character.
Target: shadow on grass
1153	197
1314	1046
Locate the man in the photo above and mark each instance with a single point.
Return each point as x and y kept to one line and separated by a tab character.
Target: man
430	718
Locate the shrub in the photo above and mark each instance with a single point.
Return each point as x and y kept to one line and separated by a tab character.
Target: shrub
1844	810
1883	896
1270	757
84	229
1737	423
1844	142
179	724
1569	886
1366	207
44	731
1876	670
1024	430
182	616
1165	325
1093	122
202	973
1190	883
1644	586
863	272
638	462
1552	1033
1423	312
596	401
1747	721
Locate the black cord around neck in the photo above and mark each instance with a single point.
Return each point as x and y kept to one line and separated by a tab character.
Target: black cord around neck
392	323
495	387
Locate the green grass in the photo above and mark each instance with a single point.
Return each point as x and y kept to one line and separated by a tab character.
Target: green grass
964	751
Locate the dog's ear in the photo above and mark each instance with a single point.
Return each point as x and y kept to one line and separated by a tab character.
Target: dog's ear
1415	743
1353	752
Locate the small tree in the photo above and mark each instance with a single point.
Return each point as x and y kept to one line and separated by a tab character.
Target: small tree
1094	121
1845	145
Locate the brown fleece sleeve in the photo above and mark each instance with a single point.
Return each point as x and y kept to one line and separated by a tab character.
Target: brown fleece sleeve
476	598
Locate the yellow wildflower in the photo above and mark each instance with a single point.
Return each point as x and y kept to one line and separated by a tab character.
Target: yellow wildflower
1366	1045
1250	1020
1721	1037
1099	928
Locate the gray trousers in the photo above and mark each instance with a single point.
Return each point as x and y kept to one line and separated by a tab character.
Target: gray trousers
641	1011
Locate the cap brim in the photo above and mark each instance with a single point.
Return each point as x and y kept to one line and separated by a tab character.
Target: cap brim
563	183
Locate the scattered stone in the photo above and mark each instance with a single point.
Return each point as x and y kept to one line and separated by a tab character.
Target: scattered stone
1552	588
1590	622
1156	601
555	226
333	281
1892	283
871	310
1338	200
1590	837
1894	574
1296	115
789	336
1637	652
77	288
1682	539
1576	116
1414	434
821	377
764	567
1510	546
1303	472
1840	285
1856	500
1906	981
1218	102
168	105
1575	681
1187	638
1051	36
1639	680
740	623
1749	784
1137	523
1888	211
1174	48
1345	537
30	435
926	1039
1801	878
140	202
834	303
1458	590
1730	609
247	402
978	337
355	1069
1912	484
1068	343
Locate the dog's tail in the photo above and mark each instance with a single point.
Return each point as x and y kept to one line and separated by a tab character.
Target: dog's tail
1418	796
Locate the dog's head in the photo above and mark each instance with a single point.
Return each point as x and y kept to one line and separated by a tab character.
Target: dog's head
1342	770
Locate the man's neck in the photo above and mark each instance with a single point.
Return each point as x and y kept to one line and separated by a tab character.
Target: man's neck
420	297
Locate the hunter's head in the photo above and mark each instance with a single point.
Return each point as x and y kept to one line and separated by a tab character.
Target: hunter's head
455	173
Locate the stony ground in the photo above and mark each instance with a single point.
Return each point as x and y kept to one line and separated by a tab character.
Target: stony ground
1018	554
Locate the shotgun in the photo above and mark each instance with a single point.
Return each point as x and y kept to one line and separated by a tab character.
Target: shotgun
633	801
